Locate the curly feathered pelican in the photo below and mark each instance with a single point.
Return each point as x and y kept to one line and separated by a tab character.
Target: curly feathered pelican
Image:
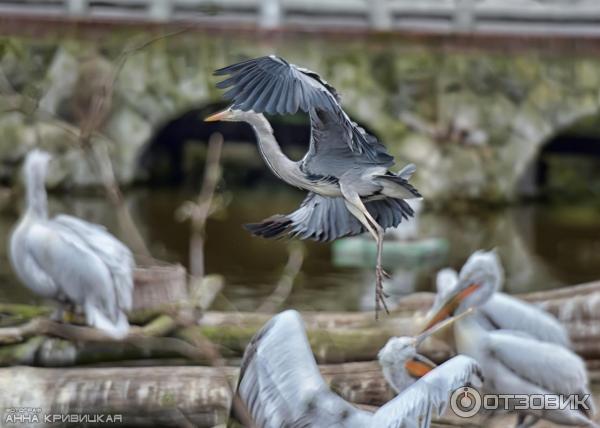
70	260
281	385
521	349
345	171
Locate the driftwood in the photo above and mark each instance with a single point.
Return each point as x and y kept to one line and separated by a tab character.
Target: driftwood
179	396
161	396
335	337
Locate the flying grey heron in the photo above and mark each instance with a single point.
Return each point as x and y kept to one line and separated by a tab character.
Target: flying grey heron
281	385
70	260
510	345
500	310
345	170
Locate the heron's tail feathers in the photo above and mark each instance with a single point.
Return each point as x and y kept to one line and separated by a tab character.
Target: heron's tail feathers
273	227
323	218
117	329
397	186
407	171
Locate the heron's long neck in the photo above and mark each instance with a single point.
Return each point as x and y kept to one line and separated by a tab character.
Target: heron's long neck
282	166
37	199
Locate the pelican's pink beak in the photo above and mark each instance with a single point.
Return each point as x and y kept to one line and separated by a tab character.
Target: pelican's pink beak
418	367
449	306
222	115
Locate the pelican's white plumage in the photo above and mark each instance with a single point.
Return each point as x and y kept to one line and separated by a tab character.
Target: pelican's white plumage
519	364
71	260
501	311
519	346
281	385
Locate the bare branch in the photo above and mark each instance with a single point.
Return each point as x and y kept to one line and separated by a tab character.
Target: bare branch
286	282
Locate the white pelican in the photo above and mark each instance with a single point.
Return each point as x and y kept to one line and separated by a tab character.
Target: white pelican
281	385
513	361
70	260
501	311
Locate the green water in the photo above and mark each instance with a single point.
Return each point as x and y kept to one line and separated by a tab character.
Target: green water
541	247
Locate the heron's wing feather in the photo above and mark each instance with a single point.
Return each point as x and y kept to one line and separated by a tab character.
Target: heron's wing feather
506	312
329	153
322	218
280	382
271	85
113	253
547	365
429	396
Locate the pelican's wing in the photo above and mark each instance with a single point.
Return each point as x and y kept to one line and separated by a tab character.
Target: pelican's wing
280	382
325	219
113	253
509	313
271	85
550	366
429	396
79	273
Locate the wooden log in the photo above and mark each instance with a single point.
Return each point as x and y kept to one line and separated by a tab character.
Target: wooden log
335	337
161	396
176	396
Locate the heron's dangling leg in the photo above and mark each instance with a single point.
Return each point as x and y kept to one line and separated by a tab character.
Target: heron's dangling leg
358	210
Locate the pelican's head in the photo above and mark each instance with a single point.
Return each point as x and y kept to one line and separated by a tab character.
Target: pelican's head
36	166
232	115
397	350
480	277
401	364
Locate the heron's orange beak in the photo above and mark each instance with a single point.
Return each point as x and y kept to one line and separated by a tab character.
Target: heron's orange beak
449	306
418	367
222	115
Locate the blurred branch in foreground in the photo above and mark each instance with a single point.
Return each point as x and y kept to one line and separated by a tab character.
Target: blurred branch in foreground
286	282
98	110
198	212
203	289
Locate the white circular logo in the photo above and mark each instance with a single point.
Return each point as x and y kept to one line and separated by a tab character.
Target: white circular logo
465	402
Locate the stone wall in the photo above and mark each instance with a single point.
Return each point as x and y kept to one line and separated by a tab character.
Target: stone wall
471	119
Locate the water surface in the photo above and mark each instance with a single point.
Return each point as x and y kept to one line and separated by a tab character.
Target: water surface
541	246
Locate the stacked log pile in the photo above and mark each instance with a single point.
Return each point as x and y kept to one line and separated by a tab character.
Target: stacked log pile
153	376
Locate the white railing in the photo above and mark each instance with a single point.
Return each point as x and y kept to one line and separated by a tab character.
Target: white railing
516	16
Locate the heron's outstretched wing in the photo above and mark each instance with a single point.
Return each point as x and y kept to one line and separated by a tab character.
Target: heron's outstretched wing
429	396
271	85
551	367
113	253
325	219
509	313
280	382
329	153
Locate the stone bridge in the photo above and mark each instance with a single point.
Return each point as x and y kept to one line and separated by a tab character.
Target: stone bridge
472	116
